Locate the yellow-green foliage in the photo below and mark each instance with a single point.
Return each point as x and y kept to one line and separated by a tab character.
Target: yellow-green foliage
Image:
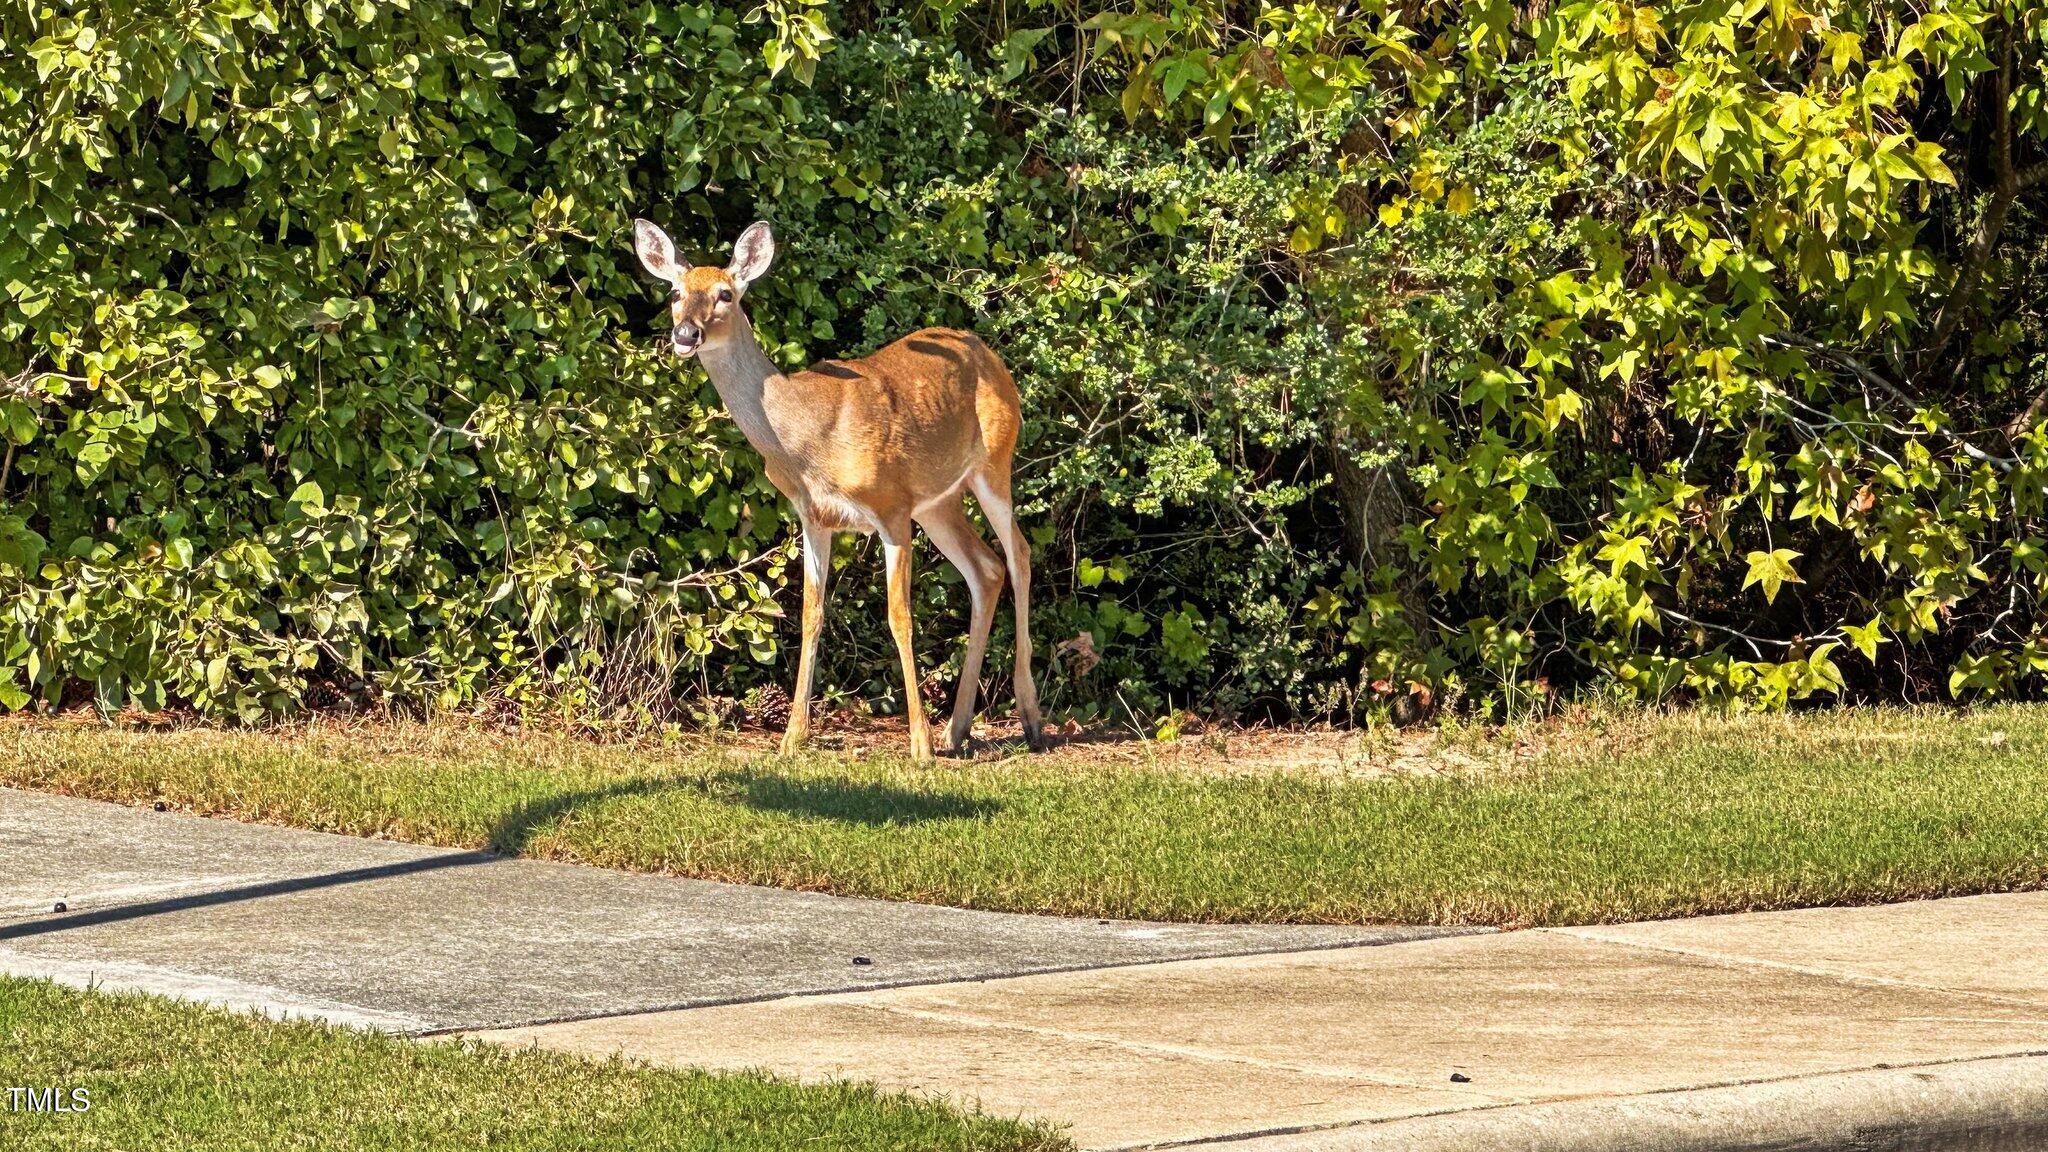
1368	350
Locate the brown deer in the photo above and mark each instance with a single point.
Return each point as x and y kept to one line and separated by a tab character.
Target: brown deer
869	445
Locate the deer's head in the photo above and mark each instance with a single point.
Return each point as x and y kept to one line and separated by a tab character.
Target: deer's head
702	302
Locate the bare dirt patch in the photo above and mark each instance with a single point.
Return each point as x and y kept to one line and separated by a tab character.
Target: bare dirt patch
1213	751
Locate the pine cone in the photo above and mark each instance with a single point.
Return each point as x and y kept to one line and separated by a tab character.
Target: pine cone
771	706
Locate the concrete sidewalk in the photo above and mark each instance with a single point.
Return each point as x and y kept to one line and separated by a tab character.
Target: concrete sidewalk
413	939
1906	1026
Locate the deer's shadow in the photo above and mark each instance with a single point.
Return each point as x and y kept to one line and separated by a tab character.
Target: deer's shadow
853	801
829	798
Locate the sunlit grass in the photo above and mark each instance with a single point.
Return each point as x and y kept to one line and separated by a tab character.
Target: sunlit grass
1631	818
172	1077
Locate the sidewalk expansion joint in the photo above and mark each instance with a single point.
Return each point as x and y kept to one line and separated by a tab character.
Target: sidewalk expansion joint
1157	1048
940	981
1737	960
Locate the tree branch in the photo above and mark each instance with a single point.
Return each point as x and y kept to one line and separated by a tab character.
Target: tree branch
1872	377
2005	186
2021	423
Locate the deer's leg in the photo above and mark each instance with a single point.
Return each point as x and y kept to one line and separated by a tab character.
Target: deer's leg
964	549
896	552
817	569
993	491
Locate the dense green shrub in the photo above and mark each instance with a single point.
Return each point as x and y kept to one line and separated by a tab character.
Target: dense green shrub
1371	353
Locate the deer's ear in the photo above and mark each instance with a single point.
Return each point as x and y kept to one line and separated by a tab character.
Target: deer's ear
751	254
657	252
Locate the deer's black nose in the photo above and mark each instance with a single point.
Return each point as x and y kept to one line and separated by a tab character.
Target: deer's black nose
687	333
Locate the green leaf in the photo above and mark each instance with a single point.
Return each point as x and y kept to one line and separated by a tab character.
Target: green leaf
1866	638
1773	570
92	460
1019	51
309	499
22	424
20	546
12	696
1622	554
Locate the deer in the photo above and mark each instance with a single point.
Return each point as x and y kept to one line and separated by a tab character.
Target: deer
876	444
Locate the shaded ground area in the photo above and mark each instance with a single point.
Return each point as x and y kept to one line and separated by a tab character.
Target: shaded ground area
408	938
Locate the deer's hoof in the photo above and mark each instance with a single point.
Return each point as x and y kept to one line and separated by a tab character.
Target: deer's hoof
1034	738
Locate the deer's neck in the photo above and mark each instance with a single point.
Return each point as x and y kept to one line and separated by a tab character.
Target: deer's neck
743	375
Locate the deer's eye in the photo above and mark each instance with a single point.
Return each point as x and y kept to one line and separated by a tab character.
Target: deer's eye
725	295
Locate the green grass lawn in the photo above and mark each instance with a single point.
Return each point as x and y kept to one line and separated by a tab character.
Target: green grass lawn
164	1076
1629	818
